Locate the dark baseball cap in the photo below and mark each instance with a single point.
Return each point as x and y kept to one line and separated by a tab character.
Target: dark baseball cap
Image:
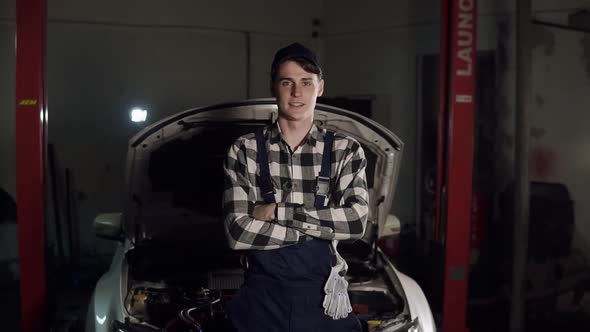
294	51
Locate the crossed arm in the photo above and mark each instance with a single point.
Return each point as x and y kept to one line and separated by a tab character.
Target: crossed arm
252	224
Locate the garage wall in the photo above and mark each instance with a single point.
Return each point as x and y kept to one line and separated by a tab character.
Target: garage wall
98	72
560	140
280	17
560	86
8	247
7	63
105	58
348	16
374	48
383	65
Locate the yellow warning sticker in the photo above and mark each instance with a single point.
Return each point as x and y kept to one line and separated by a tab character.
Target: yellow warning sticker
28	102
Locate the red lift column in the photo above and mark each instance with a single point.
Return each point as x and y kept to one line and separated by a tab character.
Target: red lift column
31	115
455	155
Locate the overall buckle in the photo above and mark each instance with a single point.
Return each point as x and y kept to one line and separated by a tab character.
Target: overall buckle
322	185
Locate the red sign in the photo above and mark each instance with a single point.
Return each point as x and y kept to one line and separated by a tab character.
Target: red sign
459	145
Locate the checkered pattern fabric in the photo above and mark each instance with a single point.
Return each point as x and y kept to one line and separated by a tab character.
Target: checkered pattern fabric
293	175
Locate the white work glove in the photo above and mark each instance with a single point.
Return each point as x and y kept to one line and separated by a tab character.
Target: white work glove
330	303
336	302
344	307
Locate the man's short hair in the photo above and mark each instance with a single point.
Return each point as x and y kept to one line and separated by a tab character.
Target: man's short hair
305	57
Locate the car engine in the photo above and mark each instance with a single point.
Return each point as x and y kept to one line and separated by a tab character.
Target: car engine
165	293
165	307
172	307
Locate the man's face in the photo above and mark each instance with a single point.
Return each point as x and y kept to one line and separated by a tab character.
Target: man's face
296	91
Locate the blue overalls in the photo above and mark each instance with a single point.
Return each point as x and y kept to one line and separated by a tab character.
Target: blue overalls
283	291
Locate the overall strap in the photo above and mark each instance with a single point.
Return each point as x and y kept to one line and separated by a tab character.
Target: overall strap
323	179
264	180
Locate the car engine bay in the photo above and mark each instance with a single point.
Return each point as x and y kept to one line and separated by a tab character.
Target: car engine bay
198	305
168	307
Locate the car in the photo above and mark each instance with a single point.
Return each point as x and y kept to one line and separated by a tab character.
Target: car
173	269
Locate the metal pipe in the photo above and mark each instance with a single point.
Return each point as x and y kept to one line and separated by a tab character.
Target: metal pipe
56	205
441	157
560	26
521	164
69	216
248	64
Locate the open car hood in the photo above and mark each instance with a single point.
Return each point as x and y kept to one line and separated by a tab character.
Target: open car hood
175	176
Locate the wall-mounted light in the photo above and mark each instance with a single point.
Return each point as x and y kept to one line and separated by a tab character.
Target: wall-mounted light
138	115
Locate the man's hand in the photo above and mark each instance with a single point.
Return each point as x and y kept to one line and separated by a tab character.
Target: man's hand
265	212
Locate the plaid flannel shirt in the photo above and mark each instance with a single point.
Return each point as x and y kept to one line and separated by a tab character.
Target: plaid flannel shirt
293	175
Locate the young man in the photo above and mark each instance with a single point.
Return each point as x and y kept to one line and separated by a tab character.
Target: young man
291	191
